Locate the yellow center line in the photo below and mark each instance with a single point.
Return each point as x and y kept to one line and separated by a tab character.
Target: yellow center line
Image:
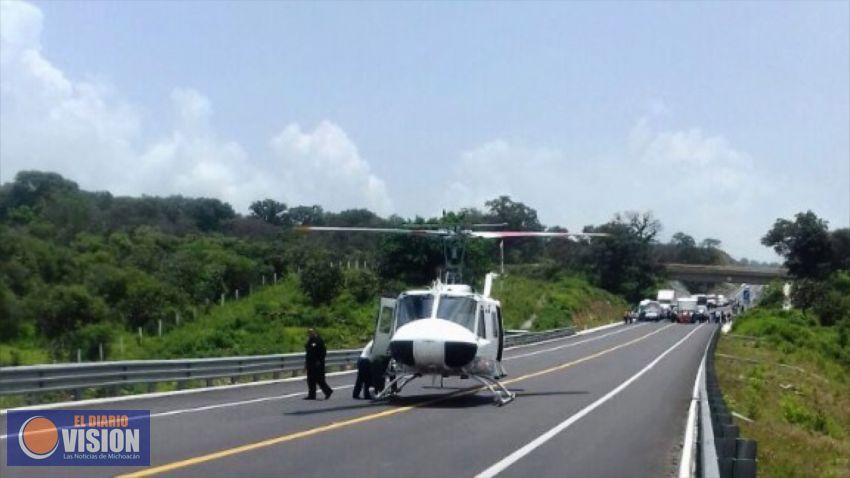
155	470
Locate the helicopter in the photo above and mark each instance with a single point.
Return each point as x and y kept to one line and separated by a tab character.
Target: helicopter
447	330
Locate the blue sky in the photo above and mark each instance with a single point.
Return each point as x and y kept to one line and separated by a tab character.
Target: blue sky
717	116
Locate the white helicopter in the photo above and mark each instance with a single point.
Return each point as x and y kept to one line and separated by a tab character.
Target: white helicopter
448	330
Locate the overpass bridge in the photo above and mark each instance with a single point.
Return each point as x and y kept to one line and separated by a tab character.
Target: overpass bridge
733	274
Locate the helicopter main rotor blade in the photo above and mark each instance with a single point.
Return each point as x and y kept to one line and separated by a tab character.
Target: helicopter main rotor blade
410	232
501	224
506	234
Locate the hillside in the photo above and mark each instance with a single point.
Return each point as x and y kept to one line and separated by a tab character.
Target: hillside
274	319
791	378
541	304
84	273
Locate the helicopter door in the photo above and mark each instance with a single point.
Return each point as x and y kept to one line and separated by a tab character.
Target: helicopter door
383	329
500	333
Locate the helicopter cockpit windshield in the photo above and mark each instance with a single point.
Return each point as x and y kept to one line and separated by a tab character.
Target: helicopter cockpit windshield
460	310
414	307
457	309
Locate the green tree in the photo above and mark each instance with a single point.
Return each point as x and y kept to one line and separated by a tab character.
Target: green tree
804	243
10	317
321	281
147	300
840	239
515	214
363	284
709	243
683	241
621	262
33	188
307	215
66	308
517	217
209	214
410	259
270	211
832	305
642	225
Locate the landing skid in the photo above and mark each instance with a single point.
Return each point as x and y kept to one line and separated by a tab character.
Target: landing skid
394	387
501	395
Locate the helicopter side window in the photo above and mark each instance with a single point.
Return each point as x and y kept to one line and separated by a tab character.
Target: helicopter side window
482	326
460	310
494	326
386	323
414	307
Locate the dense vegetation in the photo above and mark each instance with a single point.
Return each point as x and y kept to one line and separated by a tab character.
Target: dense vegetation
788	369
79	269
789	376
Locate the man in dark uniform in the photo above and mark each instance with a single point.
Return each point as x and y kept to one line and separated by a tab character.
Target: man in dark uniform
314	362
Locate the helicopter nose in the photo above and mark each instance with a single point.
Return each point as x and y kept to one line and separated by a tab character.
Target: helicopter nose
434	343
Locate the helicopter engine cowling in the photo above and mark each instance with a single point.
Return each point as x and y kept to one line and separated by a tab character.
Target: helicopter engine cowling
433	344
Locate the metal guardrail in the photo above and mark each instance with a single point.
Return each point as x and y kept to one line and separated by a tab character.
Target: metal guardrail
723	453
34	380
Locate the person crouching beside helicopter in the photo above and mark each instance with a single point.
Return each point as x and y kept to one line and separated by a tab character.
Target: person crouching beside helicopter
364	373
314	362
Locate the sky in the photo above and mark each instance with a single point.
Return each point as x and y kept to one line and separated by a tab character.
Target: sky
718	117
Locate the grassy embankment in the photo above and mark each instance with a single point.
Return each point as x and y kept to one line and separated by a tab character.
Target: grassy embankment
549	304
792	379
275	319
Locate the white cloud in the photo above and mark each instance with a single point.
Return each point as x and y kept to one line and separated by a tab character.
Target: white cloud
324	167
692	181
86	132
500	168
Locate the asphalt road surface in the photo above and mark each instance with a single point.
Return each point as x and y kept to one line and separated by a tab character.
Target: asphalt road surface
612	403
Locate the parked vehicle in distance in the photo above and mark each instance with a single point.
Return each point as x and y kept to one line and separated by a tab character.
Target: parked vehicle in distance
649	310
687	306
666	298
701	314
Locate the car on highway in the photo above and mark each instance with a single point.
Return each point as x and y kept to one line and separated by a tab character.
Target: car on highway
650	311
701	314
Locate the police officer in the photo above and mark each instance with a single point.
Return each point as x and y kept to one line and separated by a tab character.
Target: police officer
364	373
314	362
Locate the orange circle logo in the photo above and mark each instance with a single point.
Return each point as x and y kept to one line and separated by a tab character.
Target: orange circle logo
38	437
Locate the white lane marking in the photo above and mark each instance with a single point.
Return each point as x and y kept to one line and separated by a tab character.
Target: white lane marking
98	401
233	404
571	344
601	327
213	407
583	332
687	460
509	460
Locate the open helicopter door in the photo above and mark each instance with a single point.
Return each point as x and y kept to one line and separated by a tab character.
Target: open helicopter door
383	330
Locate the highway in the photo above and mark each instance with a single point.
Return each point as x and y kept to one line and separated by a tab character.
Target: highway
611	403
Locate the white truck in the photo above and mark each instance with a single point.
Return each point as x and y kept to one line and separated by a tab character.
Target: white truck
666	298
